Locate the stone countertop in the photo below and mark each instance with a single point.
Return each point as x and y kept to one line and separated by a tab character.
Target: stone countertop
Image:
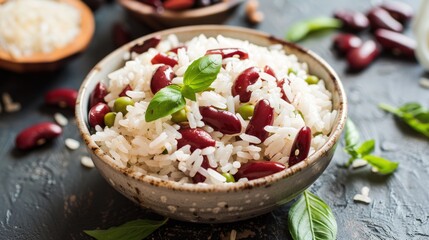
48	194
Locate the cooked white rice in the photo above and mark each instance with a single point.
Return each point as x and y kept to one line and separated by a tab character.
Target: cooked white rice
134	143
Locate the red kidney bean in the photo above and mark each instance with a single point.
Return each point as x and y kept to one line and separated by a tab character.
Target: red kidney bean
124	91
96	114
269	70
63	97
98	94
344	42
36	135
222	121
178	4
245	79
176	49
352	20
258	169
165	59
300	146
198	176
146	45
229	52
161	78
400	11
263	116
120	35
359	58
380	18
397	43
197	138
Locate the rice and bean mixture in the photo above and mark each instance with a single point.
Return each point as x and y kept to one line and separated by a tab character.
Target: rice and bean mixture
297	99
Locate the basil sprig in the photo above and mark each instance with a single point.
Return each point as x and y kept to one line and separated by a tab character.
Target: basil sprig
133	230
364	150
310	218
197	78
413	114
300	30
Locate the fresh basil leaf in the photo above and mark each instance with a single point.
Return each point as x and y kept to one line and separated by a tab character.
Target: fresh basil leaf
413	108
202	72
390	109
366	147
188	93
383	165
134	230
311	219
351	135
416	124
165	102
300	30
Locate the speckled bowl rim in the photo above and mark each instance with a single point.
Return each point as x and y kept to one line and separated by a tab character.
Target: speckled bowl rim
239	186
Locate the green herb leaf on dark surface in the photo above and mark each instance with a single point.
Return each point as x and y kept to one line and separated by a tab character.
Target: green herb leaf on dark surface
310	218
366	147
133	230
382	165
300	30
202	72
165	102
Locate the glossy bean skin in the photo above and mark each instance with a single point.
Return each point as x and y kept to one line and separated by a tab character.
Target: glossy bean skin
396	43
222	121
380	18
124	91
178	4
345	42
361	57
301	146
161	78
96	114
262	116
36	135
400	11
198	177
245	79
258	169
229	52
197	138
270	71
176	49
146	45
164	59
120	35
63	97
352	21
98	94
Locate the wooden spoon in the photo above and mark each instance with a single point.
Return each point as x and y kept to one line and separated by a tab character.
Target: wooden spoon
51	61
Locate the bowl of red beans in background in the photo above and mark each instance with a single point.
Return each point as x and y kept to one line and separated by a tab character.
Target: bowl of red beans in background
162	14
196	200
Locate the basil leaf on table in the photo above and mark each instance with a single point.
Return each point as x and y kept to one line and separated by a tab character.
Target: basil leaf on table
165	102
382	165
310	218
300	30
202	72
133	230
413	114
366	147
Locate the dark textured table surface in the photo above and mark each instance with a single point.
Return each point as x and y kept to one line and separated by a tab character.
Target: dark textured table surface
48	194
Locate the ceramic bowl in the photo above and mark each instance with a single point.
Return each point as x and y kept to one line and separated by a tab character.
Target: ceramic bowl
214	14
215	203
51	61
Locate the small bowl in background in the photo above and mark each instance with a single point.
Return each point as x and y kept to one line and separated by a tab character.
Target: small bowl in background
213	14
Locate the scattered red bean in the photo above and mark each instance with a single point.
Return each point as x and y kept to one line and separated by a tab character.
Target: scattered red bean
359	58
146	45
263	116
270	71
124	91
301	146
165	59
344	42
63	97
380	18
258	169
222	121
229	52
352	20
198	176
400	11
197	138
178	4
36	135
176	49
397	43
96	114
120	35
161	78
245	79
98	94
280	84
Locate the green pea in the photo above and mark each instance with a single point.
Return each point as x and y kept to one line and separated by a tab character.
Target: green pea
291	70
179	116
109	119
229	177
121	104
312	80
246	110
